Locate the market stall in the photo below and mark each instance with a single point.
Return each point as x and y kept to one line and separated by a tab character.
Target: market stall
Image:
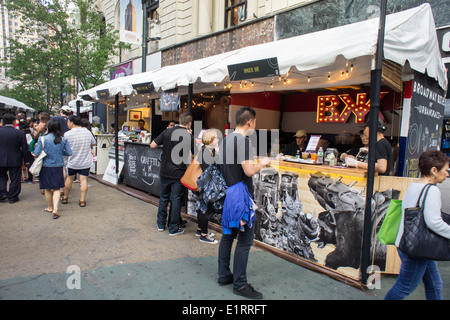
314	215
14	105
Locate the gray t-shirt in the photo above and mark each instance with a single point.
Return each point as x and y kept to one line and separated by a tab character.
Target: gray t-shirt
80	141
432	213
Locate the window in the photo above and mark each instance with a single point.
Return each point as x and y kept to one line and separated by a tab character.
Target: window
152	6
235	12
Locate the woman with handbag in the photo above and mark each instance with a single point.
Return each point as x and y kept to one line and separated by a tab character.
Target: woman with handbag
207	156
51	177
433	167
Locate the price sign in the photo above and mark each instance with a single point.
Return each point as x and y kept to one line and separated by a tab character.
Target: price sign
142	88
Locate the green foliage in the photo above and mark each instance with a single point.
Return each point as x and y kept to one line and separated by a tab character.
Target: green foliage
54	56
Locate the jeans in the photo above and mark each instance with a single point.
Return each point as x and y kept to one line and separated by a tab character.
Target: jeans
170	189
411	272
241	252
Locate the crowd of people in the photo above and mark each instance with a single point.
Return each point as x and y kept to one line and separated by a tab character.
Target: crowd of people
67	144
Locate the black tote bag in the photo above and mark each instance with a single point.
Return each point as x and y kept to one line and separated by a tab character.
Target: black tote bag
418	240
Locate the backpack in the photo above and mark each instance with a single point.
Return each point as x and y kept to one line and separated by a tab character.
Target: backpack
212	190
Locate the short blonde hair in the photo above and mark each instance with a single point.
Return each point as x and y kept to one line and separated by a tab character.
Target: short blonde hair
209	136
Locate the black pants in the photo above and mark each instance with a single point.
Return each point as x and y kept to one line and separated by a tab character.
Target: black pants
202	222
241	253
30	175
14	184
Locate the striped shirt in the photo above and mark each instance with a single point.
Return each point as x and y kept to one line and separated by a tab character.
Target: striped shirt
80	141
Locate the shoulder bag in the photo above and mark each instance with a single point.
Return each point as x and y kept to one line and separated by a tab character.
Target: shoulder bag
193	171
418	241
36	167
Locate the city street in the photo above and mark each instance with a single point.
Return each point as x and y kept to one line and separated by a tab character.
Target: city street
115	244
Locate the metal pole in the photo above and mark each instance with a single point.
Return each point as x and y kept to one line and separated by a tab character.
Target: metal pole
116	134
78	102
78	76
375	88
144	36
48	89
190	96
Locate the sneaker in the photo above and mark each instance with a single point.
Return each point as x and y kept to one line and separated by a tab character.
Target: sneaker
198	233
161	229
248	291
208	239
179	231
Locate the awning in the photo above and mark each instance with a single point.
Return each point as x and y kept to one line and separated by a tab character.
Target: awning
86	106
333	57
14	104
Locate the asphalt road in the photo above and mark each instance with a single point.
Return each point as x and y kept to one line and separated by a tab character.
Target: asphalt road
114	244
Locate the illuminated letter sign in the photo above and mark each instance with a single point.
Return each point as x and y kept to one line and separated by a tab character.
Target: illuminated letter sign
328	108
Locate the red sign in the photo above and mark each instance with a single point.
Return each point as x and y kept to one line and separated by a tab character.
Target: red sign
329	107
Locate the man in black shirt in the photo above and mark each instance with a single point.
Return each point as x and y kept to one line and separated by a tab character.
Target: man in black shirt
383	152
177	144
237	165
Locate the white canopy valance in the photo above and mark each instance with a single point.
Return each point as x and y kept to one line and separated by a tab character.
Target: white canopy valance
314	60
14	104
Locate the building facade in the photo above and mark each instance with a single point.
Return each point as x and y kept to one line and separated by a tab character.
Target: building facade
10	26
184	30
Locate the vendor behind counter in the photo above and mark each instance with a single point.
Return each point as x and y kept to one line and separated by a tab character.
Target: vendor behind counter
297	146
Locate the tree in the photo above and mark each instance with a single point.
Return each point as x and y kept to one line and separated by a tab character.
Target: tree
52	58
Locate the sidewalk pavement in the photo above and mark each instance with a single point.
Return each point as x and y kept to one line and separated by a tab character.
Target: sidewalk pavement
120	254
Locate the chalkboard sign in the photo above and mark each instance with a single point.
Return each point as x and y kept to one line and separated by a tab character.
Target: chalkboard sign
142	167
254	69
142	88
425	122
103	94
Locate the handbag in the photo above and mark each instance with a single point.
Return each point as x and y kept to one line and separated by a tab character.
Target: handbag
36	167
391	223
418	241
193	171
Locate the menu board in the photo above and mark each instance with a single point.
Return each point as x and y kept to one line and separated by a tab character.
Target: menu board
254	69
425	122
142	167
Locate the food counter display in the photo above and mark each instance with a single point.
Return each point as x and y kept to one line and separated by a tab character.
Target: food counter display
142	166
313	215
104	144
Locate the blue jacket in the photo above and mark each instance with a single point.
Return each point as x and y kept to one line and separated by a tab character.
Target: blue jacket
55	152
238	206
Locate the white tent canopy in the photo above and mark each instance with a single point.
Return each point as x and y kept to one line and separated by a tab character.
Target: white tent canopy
14	104
314	60
86	106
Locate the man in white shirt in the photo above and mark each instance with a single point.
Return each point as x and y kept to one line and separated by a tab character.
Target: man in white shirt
81	141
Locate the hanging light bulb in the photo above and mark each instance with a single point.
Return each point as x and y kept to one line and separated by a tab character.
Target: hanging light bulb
351	68
309	79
